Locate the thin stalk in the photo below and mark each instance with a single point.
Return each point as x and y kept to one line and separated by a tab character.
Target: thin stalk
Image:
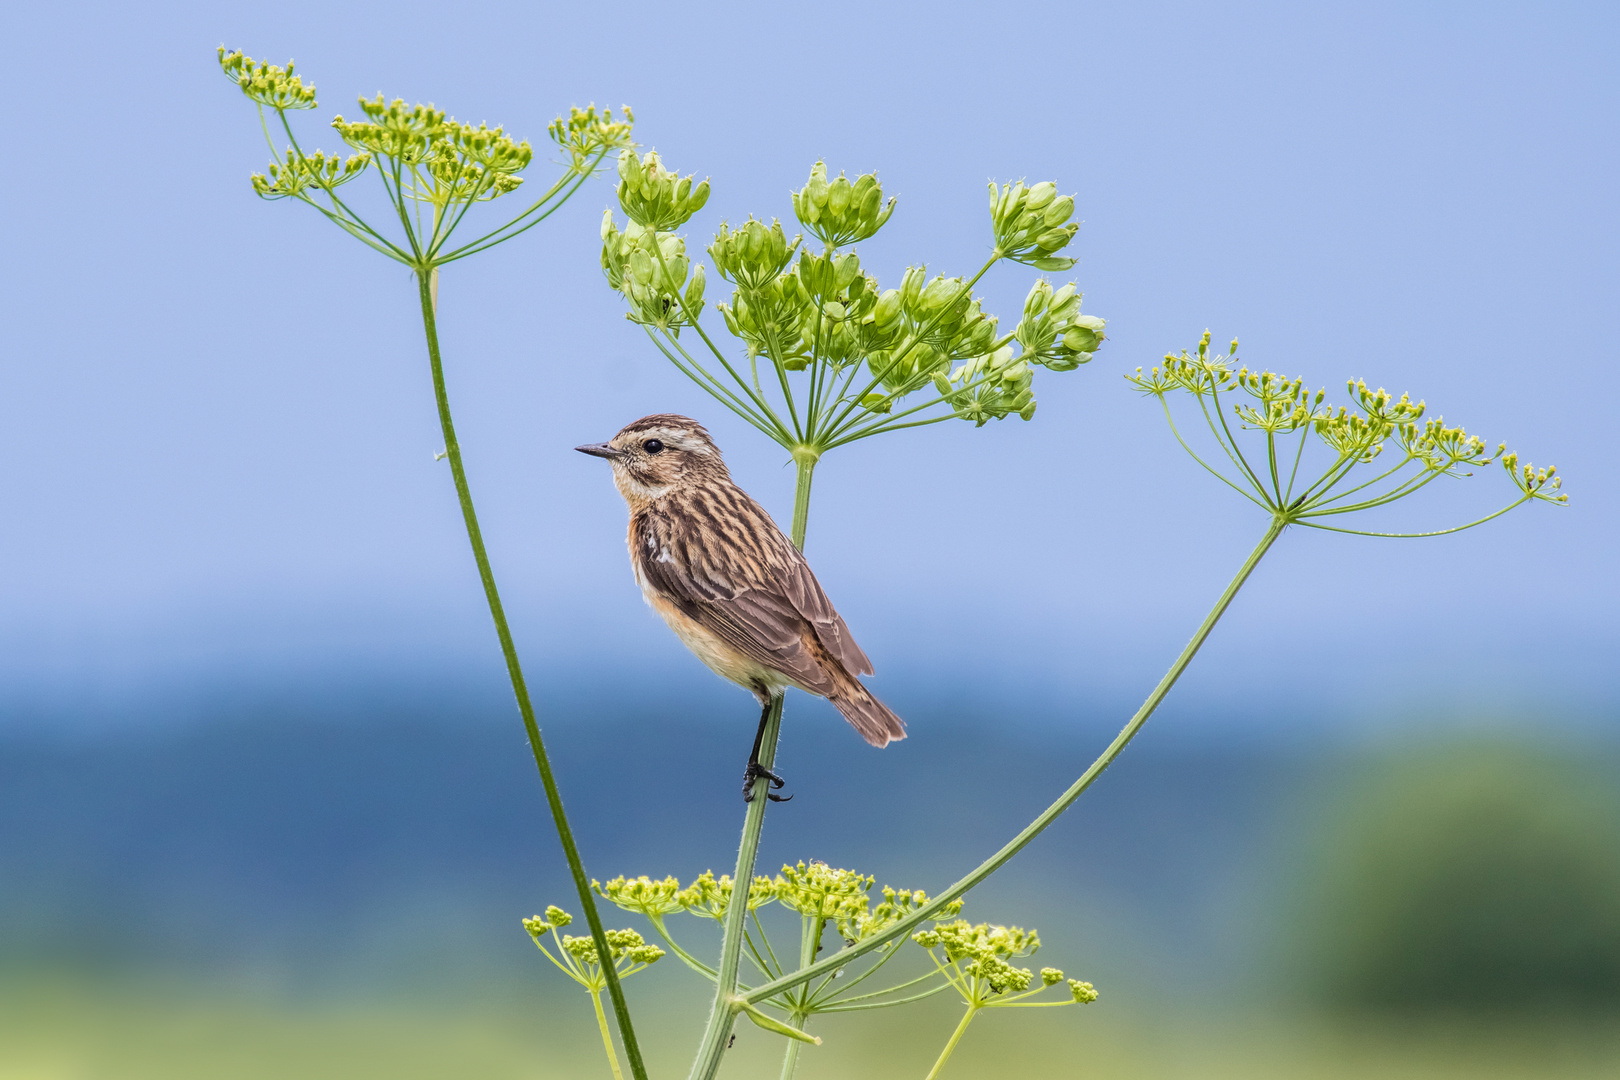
607	1035
956	1037
1050	814
811	929
582	881
727	1002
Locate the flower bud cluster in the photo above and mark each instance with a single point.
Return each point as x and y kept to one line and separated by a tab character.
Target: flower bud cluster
653	196
752	255
982	951
896	905
587	134
643	894
1443	449
653	272
841	212
990	387
299	171
1053	333
265	83
709	898
462	163
1197	375
555	917
406	134
1284	404
941	323
823	892
1537	483
623	944
1031	225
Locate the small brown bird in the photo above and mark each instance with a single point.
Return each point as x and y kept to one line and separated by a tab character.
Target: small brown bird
710	560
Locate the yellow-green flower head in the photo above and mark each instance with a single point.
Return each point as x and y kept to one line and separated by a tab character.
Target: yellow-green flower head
841	212
896	905
1051	976
643	894
1084	993
587	134
983	949
654	197
1031	225
556	916
823	892
623	944
1053	333
299	171
710	898
265	83
1537	483
393	129
752	255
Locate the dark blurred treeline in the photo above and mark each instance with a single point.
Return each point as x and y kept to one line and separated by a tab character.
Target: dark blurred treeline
391	842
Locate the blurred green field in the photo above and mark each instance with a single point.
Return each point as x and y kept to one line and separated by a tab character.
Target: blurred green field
64	1029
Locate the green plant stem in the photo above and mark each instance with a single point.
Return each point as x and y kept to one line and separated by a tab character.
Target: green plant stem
425	278
607	1035
1050	814
956	1037
723	1015
809	937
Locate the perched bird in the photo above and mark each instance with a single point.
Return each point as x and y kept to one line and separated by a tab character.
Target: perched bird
735	590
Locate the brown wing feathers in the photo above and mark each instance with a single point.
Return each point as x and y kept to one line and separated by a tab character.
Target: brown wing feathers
715	553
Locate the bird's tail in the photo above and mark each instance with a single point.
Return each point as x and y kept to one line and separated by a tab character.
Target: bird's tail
867	715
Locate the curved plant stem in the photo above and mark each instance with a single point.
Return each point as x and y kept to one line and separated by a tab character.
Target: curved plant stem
426	287
727	1004
1050	814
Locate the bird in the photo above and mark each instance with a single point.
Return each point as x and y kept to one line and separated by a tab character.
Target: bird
731	585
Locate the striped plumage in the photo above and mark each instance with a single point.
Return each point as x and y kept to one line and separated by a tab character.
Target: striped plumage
710	560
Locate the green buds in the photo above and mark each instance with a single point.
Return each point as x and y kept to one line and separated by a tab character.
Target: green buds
1031	225
1083	992
265	83
654	197
752	255
587	134
840	213
816	309
651	270
1053	333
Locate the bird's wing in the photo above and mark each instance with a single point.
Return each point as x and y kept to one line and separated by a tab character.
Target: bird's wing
718	556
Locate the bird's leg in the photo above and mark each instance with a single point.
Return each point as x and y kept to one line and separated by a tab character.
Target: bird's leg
755	770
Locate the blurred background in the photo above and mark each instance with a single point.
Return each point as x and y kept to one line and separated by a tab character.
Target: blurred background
266	808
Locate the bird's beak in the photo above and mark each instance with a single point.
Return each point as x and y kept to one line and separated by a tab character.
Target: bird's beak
601	449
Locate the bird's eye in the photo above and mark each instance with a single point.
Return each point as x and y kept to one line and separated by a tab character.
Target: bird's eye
653	446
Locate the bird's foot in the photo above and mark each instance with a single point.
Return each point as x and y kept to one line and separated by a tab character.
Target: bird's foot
756	771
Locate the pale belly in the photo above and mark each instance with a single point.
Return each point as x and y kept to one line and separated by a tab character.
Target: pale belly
720	657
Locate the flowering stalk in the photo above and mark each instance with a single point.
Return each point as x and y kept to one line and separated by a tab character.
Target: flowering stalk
840	356
432	171
580	960
1349	440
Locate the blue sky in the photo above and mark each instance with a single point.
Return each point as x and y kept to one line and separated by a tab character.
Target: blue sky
219	429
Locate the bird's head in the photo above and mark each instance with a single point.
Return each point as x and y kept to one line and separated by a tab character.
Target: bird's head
658	454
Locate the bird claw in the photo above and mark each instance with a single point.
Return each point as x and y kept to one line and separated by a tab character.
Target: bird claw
755	772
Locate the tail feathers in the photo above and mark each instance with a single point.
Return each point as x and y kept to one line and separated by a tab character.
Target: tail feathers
869	716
